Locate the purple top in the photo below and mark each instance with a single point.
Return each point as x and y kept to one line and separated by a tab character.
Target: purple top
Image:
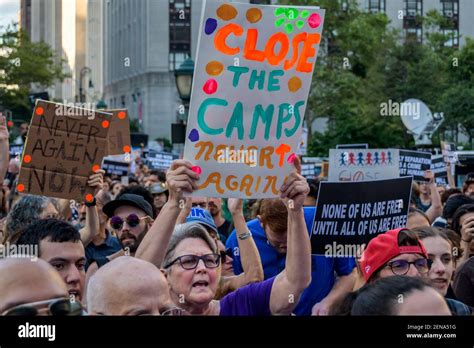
252	299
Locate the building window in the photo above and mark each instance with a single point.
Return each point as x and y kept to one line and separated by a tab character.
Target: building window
450	8
453	40
376	6
451	12
344	5
413	8
180	31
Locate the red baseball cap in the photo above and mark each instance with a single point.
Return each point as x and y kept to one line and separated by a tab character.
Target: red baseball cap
385	247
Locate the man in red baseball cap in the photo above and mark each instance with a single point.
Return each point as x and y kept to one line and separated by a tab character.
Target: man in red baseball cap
394	253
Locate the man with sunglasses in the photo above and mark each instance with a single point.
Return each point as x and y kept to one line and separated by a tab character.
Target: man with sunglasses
130	216
398	252
33	288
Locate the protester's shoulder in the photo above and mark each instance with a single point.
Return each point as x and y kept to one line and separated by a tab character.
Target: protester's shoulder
250	290
458	308
467	266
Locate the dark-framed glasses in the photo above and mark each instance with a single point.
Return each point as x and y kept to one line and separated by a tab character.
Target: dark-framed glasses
116	222
174	311
401	267
56	307
191	261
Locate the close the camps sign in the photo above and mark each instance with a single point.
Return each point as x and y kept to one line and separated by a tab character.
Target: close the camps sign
64	146
251	83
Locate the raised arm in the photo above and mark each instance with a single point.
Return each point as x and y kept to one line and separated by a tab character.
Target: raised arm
180	178
4	148
91	228
296	276
249	255
436	208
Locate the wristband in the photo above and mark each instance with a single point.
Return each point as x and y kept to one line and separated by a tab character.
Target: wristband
245	235
91	204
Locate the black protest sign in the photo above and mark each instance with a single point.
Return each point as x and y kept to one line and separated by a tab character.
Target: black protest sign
160	160
115	167
349	214
438	166
64	146
414	163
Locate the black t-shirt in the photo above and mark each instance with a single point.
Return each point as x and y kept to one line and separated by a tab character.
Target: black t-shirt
224	229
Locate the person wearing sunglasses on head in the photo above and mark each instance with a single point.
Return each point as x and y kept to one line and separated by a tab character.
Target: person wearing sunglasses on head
129	286
33	288
192	262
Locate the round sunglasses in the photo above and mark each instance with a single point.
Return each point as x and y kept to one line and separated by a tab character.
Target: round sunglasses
54	307
132	220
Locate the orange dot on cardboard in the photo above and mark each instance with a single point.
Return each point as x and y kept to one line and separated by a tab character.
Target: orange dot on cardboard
27	159
39	111
126	148
105	124
89	197
95	168
20	187
121	115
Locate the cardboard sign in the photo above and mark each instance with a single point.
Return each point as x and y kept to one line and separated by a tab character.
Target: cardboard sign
160	160
115	167
363	165
438	166
349	214
119	133
253	73
414	163
64	146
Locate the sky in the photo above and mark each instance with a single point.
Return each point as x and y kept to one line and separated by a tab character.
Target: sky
9	11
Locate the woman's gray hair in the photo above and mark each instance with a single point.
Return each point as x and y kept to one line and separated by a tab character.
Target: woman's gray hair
185	231
23	213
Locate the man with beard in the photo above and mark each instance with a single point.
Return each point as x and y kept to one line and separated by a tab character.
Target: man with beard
468	186
130	216
215	208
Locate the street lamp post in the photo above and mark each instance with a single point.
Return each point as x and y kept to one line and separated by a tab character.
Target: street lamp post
184	81
85	70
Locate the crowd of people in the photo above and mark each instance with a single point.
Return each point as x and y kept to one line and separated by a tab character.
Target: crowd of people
148	248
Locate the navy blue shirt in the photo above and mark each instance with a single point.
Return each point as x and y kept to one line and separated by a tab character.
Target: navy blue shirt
110	246
323	268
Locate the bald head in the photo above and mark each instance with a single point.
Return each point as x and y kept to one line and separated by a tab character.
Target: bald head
127	286
25	281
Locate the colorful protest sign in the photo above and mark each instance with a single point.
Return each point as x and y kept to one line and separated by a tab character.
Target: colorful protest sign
160	160
251	83
349	214
64	146
119	133
414	163
438	166
363	165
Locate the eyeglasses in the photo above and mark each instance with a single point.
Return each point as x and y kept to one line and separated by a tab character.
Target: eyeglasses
116	222
191	261
225	253
174	311
401	267
55	307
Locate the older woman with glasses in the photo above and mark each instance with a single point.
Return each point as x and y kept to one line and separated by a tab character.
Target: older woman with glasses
192	262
